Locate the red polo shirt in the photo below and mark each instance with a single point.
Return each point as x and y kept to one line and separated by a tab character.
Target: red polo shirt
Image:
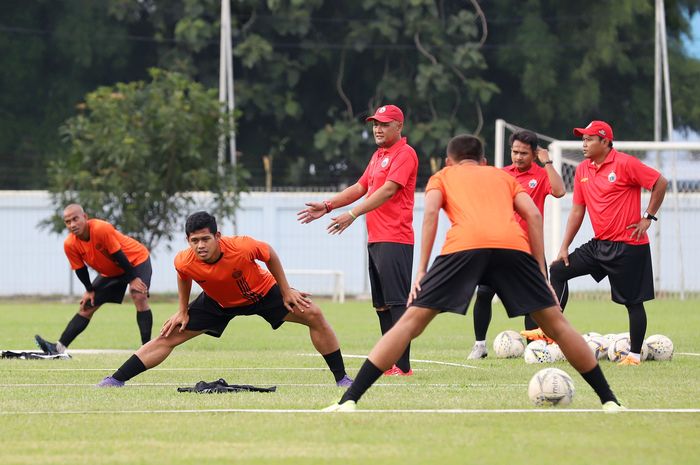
535	182
393	221
612	194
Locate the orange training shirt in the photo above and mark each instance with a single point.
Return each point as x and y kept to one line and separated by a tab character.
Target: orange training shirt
236	279
478	200
96	252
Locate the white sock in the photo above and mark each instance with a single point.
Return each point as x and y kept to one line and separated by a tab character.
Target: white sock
637	357
480	343
60	348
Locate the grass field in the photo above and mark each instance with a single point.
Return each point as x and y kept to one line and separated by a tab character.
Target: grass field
50	413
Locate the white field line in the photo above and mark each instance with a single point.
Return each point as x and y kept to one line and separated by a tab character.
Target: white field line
326	385
413	360
692	354
358	412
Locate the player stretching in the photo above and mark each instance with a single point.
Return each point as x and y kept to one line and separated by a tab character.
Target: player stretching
119	260
538	183
234	285
608	184
484	245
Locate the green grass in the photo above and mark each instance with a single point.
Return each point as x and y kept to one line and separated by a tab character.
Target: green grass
63	419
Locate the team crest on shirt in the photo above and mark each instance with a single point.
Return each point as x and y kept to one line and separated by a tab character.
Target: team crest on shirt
532	183
237	274
612	176
385	162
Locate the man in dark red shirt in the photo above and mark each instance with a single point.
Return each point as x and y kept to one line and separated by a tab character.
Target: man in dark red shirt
608	184
389	183
538	183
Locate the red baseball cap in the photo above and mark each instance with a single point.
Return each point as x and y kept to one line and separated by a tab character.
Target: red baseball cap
595	128
387	113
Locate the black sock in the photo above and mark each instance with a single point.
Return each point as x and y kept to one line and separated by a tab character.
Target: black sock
129	369
600	385
482	311
145	322
334	360
385	321
404	362
367	375
638	326
76	325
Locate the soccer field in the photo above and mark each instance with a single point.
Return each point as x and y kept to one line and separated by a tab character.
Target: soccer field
450	411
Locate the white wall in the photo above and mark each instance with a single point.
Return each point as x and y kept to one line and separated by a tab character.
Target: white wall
34	263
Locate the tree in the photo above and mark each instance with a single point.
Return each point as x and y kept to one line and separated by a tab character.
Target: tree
138	151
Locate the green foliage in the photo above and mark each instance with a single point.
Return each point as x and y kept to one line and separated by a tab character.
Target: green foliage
302	66
138	151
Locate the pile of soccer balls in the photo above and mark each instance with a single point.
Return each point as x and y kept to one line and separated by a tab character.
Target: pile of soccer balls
614	347
554	387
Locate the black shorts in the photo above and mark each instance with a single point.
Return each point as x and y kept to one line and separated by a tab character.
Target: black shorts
390	267
207	315
113	289
627	266
449	284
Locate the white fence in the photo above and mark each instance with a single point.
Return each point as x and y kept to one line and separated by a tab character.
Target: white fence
34	263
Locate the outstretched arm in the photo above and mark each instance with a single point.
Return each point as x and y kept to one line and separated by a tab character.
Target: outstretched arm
315	210
294	300
182	317
376	200
431	215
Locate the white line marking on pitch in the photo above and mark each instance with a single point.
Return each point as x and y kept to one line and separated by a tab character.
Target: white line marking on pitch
358	412
692	354
471	385
435	362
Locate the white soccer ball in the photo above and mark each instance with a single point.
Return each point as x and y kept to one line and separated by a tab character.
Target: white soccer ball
619	347
536	352
555	352
508	344
599	346
551	386
591	334
657	347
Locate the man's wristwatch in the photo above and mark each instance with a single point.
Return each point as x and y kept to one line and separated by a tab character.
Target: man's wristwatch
649	216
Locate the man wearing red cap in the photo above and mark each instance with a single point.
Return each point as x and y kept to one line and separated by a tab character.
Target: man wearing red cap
389	183
608	184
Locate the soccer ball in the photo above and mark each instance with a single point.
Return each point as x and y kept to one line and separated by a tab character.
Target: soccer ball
536	352
551	386
555	352
591	334
599	346
657	347
619	347
508	344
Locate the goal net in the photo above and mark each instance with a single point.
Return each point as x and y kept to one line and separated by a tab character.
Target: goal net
672	238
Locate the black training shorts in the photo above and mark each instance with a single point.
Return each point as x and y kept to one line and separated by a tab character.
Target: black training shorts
449	284
390	267
113	289
627	266
207	315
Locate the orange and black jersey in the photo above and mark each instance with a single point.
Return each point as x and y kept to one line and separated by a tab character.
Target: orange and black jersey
236	279
97	252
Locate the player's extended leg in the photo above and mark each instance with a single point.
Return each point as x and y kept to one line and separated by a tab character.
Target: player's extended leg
577	352
144	316
324	340
75	326
638	328
385	353
148	356
482	320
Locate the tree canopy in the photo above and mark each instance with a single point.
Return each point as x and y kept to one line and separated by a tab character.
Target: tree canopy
307	72
137	152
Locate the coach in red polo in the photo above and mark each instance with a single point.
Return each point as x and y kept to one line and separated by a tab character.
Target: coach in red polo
388	184
609	184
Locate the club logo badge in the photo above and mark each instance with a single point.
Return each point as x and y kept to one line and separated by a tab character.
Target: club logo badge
385	162
612	176
532	184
